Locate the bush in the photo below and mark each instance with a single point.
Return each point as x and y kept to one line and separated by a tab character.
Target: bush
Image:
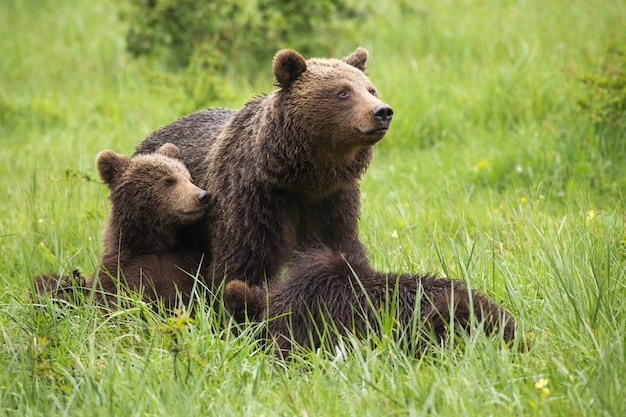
604	96
234	32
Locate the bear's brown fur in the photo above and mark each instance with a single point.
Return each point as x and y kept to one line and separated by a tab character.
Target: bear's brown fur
328	294
146	240
284	170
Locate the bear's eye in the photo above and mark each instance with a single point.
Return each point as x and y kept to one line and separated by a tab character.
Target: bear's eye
169	181
373	92
343	94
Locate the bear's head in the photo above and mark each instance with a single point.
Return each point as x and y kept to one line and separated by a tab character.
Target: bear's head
151	194
334	99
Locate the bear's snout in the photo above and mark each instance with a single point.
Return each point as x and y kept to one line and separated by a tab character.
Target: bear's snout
203	197
383	113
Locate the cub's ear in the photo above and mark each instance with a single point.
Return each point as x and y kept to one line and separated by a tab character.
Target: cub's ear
357	59
287	66
111	165
169	150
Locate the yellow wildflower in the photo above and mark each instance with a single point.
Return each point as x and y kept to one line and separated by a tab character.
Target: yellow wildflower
542	386
482	165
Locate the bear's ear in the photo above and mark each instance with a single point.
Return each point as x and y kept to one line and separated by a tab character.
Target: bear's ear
111	165
357	59
287	66
169	150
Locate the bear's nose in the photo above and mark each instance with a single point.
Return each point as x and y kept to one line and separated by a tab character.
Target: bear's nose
383	113
202	197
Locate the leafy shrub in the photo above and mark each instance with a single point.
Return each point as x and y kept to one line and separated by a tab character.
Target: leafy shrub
604	95
230	33
196	86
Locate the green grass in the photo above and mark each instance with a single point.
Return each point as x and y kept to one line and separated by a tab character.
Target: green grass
490	173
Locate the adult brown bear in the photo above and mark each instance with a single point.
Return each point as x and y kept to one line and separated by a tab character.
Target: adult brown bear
284	170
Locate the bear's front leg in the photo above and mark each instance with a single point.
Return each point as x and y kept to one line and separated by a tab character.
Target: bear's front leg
254	235
333	222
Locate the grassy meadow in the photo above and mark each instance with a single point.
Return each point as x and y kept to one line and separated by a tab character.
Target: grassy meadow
491	173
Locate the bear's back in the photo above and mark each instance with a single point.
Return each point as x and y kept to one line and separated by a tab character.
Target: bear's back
193	134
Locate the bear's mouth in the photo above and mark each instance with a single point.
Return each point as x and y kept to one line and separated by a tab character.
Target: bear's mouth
379	131
192	213
375	134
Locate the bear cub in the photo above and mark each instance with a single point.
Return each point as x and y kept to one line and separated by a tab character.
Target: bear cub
147	246
284	170
327	290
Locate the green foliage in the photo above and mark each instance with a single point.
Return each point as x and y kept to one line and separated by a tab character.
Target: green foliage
196	86
604	96
227	32
189	43
176	339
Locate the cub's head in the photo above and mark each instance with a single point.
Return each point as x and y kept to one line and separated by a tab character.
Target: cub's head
154	190
333	99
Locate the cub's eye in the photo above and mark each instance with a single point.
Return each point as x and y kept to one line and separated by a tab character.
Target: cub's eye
373	92
169	181
343	94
